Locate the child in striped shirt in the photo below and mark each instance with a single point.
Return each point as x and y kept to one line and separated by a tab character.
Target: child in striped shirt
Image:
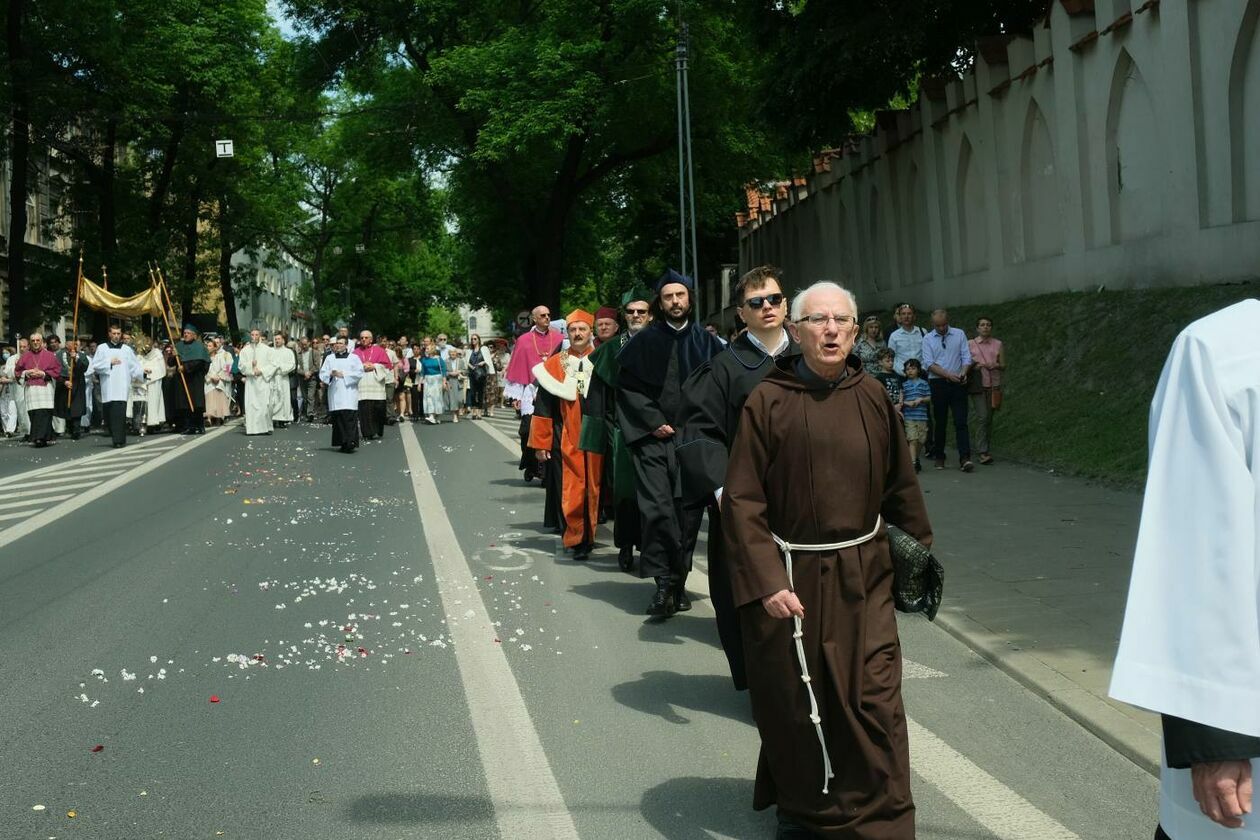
915	396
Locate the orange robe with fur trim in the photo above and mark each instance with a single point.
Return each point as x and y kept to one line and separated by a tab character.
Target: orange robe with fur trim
556	427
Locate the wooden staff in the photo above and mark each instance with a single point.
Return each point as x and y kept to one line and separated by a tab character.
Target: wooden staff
179	363
74	330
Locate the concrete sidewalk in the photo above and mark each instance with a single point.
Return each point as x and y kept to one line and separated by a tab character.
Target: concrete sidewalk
1036	575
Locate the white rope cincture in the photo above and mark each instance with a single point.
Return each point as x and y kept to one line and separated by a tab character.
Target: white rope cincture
798	634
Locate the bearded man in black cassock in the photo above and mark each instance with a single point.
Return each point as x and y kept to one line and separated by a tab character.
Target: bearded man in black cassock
713	397
653	368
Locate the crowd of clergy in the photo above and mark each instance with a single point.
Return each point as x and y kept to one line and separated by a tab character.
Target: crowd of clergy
800	457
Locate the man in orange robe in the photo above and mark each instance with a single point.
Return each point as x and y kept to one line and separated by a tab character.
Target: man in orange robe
564	381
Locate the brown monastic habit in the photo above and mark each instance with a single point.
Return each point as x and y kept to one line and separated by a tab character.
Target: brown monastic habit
817	463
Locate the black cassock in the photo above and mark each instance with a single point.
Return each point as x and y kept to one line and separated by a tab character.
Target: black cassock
713	397
72	403
653	368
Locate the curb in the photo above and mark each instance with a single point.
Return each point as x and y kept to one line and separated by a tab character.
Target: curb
1118	730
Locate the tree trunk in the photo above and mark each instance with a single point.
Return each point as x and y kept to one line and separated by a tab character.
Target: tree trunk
543	267
225	270
19	166
191	243
109	212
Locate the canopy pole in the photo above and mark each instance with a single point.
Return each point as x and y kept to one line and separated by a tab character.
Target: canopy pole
74	330
166	298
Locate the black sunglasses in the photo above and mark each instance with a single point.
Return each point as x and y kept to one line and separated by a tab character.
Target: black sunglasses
756	302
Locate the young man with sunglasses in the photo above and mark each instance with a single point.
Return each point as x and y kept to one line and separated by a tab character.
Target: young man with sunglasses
713	398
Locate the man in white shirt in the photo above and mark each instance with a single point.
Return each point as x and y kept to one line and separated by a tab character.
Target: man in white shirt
116	367
906	341
341	372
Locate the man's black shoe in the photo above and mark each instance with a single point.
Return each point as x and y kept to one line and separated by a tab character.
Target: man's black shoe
582	552
681	602
663	601
625	558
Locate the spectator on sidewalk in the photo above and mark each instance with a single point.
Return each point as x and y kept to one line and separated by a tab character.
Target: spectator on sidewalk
1190	645
869	345
907	340
916	396
888	377
988	358
948	359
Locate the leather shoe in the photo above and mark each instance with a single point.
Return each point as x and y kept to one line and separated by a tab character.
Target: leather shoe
681	602
662	602
582	552
625	558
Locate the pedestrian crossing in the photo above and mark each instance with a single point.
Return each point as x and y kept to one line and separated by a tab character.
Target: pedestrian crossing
31	493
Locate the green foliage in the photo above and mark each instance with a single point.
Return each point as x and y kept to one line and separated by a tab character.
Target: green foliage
834	60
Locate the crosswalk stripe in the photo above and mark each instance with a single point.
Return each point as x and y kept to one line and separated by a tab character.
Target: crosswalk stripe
92	459
5	517
35	502
80	472
38	486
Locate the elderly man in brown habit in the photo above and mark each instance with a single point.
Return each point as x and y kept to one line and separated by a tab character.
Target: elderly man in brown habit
819	466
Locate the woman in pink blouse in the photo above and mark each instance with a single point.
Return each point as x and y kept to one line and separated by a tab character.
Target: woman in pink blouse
988	361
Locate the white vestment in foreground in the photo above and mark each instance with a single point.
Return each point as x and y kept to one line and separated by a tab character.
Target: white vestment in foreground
1190	646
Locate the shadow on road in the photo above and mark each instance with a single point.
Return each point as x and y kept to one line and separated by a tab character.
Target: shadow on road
701	809
662	693
619	592
394	808
680	629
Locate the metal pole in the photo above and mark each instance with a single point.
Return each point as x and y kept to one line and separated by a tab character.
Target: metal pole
680	62
691	184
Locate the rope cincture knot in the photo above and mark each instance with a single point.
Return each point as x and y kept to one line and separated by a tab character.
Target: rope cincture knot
798	633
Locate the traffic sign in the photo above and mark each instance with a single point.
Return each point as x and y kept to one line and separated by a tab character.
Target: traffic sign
223	149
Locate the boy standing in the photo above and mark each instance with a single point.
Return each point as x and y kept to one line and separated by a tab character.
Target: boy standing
915	396
888	377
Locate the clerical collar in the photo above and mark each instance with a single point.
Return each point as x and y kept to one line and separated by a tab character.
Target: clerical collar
778	348
113	346
808	375
341	354
542	332
684	326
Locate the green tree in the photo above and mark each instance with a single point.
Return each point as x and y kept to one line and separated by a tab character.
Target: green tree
536	114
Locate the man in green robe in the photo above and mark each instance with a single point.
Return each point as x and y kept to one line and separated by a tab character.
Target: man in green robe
194	361
626	524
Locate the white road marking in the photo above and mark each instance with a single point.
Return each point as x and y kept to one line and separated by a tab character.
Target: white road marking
911	670
80	471
527	800
52	485
69	506
91	459
1002	811
512	446
5	517
36	501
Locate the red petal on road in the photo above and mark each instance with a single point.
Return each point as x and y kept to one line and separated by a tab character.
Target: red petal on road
489	577
214	698
98	748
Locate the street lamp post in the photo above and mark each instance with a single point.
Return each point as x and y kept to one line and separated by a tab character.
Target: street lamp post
686	177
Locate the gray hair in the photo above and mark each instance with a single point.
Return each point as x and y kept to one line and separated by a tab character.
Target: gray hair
798	301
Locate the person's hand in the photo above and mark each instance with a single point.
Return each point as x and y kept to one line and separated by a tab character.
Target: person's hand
369	366
663	432
543	454
516	404
783	604
1223	790
115	361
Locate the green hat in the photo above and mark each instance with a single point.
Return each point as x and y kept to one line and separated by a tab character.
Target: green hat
637	293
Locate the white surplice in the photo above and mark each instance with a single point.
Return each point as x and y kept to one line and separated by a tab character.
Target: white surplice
1190	646
220	366
258	389
116	379
343	391
281	405
149	389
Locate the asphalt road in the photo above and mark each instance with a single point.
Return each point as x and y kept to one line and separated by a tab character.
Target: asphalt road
397	650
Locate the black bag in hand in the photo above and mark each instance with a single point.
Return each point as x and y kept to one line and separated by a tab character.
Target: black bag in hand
918	577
